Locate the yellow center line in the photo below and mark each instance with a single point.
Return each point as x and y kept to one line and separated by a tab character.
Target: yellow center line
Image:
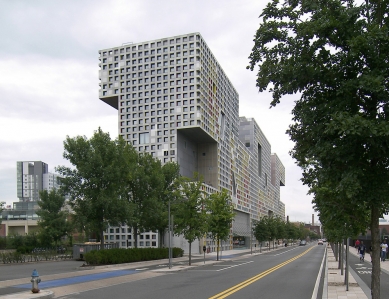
249	281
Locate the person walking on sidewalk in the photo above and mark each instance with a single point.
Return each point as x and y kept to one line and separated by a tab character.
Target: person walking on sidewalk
362	249
357	245
384	249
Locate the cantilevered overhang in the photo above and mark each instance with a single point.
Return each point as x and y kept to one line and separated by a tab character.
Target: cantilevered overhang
196	134
112	101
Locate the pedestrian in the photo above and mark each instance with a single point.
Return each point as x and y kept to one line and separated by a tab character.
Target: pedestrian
357	245
361	250
384	249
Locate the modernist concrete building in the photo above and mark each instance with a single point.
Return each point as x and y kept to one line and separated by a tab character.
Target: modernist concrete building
175	102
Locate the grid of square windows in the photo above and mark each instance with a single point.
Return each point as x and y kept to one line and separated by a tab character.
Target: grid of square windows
172	83
181	78
184	87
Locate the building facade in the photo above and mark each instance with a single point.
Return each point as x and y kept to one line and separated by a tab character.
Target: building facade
32	177
175	102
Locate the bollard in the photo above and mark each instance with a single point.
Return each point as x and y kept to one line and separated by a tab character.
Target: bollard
35	280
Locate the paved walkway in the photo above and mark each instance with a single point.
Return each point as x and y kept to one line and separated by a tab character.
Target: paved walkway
334	287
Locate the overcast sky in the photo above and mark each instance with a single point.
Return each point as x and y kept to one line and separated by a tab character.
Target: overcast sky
49	75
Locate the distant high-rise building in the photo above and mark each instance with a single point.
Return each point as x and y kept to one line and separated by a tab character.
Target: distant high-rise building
33	177
175	102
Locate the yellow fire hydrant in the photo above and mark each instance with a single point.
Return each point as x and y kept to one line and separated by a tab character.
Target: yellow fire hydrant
35	280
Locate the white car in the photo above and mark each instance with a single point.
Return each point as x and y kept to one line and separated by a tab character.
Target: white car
320	242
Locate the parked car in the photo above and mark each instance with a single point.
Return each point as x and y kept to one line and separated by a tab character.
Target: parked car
303	243
320	242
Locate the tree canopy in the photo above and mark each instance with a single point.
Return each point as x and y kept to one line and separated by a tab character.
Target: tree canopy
190	217
170	193
145	184
53	217
97	183
333	53
220	216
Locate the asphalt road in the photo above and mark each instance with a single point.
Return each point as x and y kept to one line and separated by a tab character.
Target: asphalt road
363	270
288	272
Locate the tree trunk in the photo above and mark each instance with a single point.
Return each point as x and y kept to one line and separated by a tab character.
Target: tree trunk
217	249
375	241
161	238
190	253
101	239
135	228
339	256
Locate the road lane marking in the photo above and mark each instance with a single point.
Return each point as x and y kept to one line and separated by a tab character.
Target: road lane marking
364	272
285	251
249	281
225	267
233	266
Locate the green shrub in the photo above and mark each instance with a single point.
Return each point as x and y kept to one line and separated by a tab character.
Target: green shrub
24	249
130	255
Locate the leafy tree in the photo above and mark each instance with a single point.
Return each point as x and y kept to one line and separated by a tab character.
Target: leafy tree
303	232
313	235
169	193
345	220
190	217
291	231
145	185
53	216
334	54
261	230
281	229
273	228
220	217
96	184
32	240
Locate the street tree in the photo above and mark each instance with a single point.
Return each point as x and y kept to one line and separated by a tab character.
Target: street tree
96	183
303	232
169	195
190	217
145	185
261	230
281	229
53	216
273	228
220	216
336	214
333	53
313	236
291	231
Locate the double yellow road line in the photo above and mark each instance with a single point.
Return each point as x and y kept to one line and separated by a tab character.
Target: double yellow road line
249	281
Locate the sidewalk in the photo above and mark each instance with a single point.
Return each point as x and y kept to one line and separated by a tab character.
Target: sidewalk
334	287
